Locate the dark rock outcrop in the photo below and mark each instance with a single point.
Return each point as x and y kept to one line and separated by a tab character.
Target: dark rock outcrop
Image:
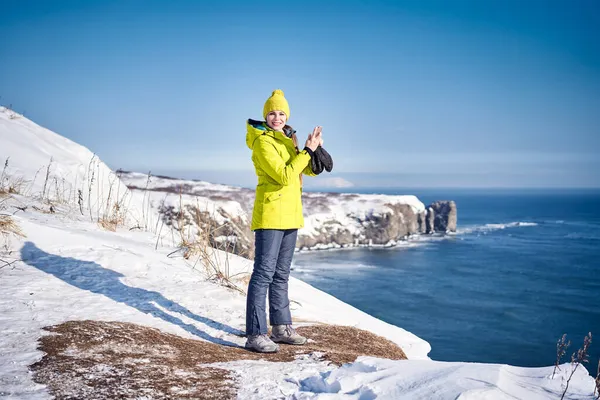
395	225
430	220
444	216
382	229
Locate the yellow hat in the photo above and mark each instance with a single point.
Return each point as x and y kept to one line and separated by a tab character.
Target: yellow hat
276	103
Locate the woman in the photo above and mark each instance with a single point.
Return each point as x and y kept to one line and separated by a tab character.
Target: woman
276	218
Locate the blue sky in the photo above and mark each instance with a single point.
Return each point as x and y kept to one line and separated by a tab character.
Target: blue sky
496	93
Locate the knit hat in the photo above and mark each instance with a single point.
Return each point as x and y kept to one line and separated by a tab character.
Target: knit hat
276	103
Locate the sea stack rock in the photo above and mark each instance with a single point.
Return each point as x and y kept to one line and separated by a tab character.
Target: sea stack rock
429	220
441	216
422	221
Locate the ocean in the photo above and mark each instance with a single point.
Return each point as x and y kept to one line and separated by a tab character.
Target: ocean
522	270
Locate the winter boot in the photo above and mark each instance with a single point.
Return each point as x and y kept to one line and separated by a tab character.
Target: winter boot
261	344
286	334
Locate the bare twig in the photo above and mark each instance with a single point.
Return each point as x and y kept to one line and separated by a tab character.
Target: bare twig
90	184
98	190
20	208
597	388
111	182
159	232
7	263
579	358
3	173
561	348
80	200
46	180
31	185
159	218
146	212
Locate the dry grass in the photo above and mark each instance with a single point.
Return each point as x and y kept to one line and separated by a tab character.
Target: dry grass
106	360
306	321
561	348
106	203
578	358
597	381
12	186
111	221
9	226
343	344
192	248
108	224
197	231
9	184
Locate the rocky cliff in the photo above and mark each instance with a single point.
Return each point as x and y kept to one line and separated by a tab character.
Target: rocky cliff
342	220
223	213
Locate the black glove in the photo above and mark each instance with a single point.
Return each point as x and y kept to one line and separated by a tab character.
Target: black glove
321	160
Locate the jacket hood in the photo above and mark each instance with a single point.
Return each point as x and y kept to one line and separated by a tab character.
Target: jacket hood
253	130
256	128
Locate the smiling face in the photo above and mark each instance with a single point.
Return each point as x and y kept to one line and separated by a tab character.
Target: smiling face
276	120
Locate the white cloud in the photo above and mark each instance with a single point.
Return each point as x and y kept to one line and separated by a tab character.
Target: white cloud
333	182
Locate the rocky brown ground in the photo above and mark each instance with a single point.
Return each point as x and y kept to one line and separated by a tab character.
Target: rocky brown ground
110	360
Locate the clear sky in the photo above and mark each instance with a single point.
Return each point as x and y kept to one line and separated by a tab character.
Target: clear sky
495	93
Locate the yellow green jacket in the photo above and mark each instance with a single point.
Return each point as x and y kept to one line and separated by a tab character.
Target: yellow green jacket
278	165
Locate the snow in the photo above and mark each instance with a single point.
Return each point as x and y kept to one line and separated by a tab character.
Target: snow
493	227
59	170
75	270
267	380
159	183
69	268
371	378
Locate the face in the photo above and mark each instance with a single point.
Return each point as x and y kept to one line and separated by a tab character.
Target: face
276	120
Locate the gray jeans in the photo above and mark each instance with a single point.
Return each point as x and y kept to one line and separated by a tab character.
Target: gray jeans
274	249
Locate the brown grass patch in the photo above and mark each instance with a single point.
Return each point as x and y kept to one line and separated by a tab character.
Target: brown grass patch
8	226
101	360
108	224
110	221
343	344
107	360
11	186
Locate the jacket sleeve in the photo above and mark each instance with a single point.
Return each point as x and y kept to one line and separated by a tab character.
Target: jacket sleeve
308	171
271	162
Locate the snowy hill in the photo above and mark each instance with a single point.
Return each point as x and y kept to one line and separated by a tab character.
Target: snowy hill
96	313
51	167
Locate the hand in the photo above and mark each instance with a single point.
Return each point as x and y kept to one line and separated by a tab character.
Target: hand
320	136
314	139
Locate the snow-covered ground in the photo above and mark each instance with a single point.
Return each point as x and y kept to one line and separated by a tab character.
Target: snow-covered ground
72	269
67	267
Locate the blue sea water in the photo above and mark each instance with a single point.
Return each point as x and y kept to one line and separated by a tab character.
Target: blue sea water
523	269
